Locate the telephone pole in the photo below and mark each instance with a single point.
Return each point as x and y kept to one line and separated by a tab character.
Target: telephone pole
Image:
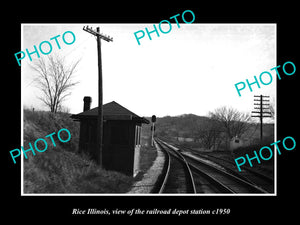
100	89
261	113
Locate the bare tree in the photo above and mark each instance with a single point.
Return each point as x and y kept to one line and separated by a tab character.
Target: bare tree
55	79
209	133
272	109
233	122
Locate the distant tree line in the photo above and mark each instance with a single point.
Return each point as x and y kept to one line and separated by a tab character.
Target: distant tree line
219	127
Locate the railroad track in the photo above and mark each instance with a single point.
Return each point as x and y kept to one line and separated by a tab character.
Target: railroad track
248	174
177	177
207	176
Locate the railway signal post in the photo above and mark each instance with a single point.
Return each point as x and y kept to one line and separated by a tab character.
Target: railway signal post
100	97
153	120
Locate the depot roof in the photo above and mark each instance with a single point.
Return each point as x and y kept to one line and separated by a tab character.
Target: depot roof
111	111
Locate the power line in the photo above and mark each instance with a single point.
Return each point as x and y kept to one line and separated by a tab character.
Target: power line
77	47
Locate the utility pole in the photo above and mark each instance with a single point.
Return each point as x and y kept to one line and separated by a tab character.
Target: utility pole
261	113
100	88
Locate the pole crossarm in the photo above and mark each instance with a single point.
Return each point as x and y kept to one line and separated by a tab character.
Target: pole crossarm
264	96
264	100
95	33
261	104
260	108
261	112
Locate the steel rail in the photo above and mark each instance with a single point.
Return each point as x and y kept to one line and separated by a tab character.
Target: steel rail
210	157
182	160
261	176
166	169
211	168
211	171
186	164
220	186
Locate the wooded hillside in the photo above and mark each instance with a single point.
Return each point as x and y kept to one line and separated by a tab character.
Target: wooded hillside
200	129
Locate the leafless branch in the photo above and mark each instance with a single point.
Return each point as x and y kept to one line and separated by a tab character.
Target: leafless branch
55	79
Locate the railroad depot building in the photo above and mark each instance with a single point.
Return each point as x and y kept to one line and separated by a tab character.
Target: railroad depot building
121	136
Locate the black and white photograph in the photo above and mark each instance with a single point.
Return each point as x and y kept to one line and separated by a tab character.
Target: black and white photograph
174	118
175	112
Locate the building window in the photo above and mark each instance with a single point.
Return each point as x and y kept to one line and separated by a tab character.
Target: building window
139	138
137	135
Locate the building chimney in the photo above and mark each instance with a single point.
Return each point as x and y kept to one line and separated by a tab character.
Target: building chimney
87	103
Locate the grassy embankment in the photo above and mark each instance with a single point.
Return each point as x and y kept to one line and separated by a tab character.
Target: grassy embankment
61	169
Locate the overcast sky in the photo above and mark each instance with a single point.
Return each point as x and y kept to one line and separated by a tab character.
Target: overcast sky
192	69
